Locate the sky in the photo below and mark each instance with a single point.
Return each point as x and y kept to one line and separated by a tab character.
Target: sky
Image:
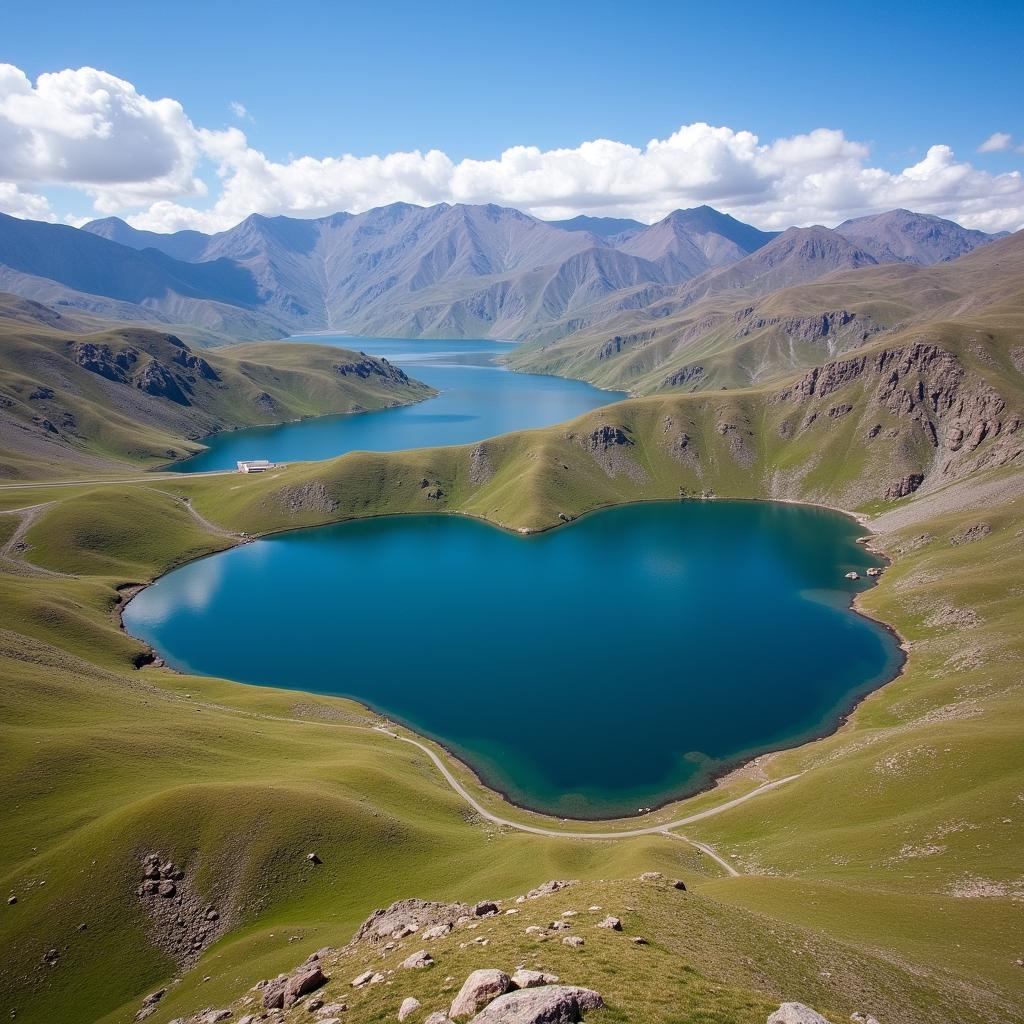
194	115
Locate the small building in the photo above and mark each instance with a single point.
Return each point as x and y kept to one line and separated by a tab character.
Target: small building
254	466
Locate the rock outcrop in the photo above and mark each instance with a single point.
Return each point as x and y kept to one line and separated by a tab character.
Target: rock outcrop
182	924
407	916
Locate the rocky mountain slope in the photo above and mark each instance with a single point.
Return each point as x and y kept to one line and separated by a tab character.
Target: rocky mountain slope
98	396
439	271
738	337
899	236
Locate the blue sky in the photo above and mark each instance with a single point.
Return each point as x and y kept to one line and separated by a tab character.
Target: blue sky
324	79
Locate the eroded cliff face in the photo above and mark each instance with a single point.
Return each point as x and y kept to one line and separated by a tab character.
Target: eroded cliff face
947	419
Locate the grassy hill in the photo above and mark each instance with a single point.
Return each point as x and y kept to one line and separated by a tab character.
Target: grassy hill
886	878
76	395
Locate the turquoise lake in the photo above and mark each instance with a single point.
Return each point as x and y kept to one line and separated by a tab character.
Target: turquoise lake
587	672
478	398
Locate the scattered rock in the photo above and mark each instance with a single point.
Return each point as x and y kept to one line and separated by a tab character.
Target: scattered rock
214	1015
485	908
408	1008
436	931
362	979
651	876
11	900
167	889
859	1017
976	532
51	956
552	1004
639	940
478	990
313	858
610	922
437	1018
575	941
418	961
679	884
796	1013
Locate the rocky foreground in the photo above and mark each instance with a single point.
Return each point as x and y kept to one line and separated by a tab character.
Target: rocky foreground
371	977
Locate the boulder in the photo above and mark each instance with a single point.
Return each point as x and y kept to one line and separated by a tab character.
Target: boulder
550	1004
285	991
478	990
436	931
532	979
418	961
796	1013
485	908
610	922
332	1010
679	884
575	941
408	1008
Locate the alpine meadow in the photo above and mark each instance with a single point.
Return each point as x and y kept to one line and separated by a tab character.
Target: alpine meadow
501	526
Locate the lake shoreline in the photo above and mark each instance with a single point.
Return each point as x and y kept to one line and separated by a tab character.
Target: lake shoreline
716	779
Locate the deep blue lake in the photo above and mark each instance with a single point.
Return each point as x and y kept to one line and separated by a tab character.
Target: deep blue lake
478	398
586	672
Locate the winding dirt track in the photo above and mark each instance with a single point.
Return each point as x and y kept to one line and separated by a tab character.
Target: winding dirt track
649	830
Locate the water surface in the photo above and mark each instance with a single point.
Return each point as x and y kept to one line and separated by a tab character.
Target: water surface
587	672
478	398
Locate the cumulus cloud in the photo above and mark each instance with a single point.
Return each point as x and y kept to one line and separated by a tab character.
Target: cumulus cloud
240	111
145	158
89	129
996	143
24	204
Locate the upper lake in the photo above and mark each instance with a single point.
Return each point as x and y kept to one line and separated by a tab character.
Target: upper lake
587	671
478	398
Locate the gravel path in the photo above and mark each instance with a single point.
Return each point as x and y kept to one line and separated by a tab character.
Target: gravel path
649	830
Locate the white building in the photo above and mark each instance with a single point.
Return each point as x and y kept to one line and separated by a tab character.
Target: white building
255	466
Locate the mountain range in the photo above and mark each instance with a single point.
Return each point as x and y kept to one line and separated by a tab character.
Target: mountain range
440	271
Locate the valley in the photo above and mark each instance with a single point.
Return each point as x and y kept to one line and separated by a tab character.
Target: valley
844	862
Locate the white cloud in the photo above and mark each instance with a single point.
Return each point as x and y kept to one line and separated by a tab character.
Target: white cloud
24	204
89	129
996	143
144	157
240	111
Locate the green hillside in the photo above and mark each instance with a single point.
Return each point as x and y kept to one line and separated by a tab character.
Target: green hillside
80	397
886	878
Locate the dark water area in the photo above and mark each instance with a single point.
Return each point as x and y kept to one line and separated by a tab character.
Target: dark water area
586	672
478	398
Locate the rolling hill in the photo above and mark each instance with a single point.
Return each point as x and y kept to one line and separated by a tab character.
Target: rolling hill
90	397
